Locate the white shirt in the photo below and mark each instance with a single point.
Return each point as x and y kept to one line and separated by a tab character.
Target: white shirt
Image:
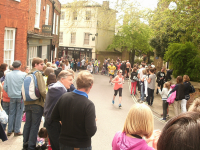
83	62
140	73
67	67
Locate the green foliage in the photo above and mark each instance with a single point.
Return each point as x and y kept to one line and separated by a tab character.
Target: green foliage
138	61
184	18
184	59
133	36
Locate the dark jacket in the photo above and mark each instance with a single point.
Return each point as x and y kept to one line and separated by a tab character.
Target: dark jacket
77	114
187	88
55	91
133	74
57	71
72	87
180	91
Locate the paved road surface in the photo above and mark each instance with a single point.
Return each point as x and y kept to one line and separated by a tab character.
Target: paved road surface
110	117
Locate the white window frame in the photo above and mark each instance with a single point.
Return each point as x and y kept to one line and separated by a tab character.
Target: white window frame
47	15
75	15
44	52
57	18
88	15
61	37
32	54
37	13
62	17
54	21
71	42
84	43
10	41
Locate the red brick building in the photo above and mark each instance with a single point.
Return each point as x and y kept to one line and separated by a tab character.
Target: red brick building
28	29
13	30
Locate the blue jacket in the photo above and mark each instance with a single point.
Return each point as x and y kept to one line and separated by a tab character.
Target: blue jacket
13	83
55	91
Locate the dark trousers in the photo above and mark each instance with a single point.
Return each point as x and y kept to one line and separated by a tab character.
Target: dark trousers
150	97
64	147
33	118
160	84
53	130
165	106
139	86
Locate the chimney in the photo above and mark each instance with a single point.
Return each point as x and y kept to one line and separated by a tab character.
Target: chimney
106	4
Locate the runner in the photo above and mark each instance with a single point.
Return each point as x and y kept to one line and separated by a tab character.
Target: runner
111	70
128	67
119	81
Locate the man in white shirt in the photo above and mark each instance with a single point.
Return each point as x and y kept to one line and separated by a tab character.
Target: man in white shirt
140	74
83	63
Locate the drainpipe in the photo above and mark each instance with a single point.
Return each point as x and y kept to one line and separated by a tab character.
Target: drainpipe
51	46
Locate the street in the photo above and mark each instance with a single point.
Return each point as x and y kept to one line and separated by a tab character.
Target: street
110	118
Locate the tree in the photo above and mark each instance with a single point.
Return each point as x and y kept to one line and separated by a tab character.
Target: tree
185	17
134	37
184	59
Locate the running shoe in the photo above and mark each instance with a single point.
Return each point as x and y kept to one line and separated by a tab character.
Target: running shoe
113	101
162	119
120	105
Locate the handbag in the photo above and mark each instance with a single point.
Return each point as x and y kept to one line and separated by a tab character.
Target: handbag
135	78
3	117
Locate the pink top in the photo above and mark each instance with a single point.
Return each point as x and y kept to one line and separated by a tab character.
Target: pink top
118	85
123	142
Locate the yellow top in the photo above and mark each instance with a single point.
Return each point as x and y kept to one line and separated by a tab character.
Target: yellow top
111	69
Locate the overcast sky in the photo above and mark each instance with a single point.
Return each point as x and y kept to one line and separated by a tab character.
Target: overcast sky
152	4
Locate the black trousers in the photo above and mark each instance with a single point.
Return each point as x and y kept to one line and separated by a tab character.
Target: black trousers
53	130
160	84
165	106
150	97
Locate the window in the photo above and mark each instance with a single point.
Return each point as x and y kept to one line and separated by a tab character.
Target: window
57	24
47	15
32	54
88	15
62	16
61	37
9	45
54	20
44	52
37	14
75	15
73	37
86	38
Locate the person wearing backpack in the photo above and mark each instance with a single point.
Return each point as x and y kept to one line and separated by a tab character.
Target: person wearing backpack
34	107
12	85
186	82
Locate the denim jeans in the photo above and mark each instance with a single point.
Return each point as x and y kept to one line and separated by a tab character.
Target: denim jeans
5	106
33	118
64	147
15	114
142	90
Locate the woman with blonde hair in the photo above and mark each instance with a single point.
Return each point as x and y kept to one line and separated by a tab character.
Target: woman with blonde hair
67	65
119	81
139	123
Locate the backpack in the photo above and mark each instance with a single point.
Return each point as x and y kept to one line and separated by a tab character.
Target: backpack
30	91
192	89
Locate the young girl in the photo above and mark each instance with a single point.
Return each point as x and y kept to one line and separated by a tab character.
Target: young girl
119	81
164	95
41	144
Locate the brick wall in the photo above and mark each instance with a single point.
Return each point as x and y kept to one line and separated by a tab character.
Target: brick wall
14	15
